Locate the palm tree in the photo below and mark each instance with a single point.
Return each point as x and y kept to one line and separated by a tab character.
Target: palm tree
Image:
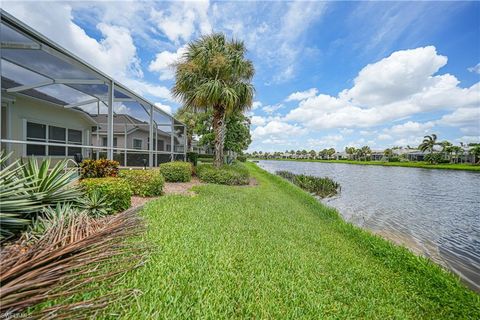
350	151
456	150
214	74
428	143
475	152
366	151
331	152
388	153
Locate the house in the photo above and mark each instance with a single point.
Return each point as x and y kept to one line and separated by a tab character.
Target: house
54	104
42	122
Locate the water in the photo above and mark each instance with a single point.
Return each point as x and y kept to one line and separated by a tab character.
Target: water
435	213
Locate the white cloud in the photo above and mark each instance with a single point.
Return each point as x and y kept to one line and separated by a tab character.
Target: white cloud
256	105
327	141
163	63
469	139
392	89
272	108
384	136
302	95
115	53
462	117
277	129
181	19
475	69
411	128
164	107
258	121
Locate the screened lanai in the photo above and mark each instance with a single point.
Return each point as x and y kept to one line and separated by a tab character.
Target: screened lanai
56	105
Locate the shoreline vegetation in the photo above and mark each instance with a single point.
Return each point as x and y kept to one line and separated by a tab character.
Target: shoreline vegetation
410	164
274	251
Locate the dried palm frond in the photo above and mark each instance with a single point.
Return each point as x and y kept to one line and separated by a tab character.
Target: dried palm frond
72	257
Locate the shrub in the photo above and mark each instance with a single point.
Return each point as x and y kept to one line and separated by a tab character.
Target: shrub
394	159
144	183
236	174
115	190
100	168
322	187
96	204
192	157
433	158
177	171
242	158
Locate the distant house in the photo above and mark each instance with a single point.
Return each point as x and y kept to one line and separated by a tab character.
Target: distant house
376	155
134	131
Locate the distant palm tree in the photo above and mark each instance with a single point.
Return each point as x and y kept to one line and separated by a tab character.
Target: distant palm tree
388	153
366	151
475	152
456	150
428	143
214	74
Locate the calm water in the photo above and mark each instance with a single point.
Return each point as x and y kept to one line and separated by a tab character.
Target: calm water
433	212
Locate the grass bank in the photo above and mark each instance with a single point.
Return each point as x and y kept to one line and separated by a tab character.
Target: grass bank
412	164
272	251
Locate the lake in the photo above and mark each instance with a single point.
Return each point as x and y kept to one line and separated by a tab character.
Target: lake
435	213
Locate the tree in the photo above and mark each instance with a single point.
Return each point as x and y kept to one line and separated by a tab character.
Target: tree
190	119
313	154
330	152
388	153
366	152
428	143
446	148
214	74
351	151
237	136
475	152
456	150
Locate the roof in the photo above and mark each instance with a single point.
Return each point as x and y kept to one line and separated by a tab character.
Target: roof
31	60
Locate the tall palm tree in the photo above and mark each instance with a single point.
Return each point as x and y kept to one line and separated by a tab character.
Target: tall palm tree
214	73
366	151
428	143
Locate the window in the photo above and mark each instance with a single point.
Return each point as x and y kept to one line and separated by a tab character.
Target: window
38	133
137	144
74	137
105	141
56	135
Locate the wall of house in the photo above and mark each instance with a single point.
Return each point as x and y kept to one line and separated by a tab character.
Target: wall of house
24	109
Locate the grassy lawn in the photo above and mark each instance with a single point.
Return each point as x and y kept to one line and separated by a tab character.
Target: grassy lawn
272	251
413	164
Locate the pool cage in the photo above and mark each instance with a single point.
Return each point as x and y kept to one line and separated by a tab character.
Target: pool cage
95	116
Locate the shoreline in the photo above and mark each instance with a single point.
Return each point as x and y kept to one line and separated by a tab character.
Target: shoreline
418	164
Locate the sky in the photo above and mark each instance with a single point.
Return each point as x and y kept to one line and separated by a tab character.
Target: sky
328	74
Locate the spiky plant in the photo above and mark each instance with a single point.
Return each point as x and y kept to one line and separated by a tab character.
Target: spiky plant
51	186
96	204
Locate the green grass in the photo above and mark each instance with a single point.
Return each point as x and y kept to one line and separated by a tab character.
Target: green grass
412	164
274	252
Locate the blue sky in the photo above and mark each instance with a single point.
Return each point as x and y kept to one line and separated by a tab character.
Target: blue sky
328	74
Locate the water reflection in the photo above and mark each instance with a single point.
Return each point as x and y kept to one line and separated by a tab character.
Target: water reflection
433	212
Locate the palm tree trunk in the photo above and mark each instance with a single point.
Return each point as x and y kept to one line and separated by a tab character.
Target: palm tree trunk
219	129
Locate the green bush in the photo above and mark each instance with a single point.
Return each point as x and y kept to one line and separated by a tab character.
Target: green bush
433	158
177	171
100	168
144	183
115	190
192	157
394	159
322	187
236	174
242	158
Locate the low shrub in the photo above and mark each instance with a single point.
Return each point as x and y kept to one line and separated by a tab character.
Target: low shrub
433	158
242	158
144	183
192	157
95	204
115	190
394	159
177	171
322	187
236	174
100	168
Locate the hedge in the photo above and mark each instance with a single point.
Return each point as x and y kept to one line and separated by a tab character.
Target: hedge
116	190
177	171
144	183
236	174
